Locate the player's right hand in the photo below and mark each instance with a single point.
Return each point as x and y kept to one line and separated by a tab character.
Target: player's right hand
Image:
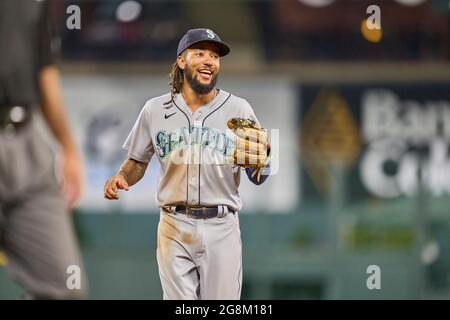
112	186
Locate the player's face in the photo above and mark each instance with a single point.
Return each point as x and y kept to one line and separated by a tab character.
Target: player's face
201	67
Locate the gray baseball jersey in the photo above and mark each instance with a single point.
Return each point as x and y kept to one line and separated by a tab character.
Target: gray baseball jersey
192	148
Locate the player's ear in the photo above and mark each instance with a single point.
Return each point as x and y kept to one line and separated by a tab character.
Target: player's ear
181	60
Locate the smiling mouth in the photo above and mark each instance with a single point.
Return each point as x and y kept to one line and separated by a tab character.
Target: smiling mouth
205	74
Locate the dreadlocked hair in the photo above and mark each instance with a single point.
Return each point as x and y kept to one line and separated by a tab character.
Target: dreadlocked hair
176	75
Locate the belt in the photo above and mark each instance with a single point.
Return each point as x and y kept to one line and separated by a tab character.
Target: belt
13	118
204	212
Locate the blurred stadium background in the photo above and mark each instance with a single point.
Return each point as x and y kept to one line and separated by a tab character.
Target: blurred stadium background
364	120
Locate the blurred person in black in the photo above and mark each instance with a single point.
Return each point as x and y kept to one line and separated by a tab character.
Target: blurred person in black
36	232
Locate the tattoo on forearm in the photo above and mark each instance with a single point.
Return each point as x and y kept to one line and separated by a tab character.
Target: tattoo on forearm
133	171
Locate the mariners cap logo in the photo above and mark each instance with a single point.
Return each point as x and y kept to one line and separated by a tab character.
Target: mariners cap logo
210	34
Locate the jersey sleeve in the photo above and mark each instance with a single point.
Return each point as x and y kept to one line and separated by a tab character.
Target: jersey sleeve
246	112
139	142
48	43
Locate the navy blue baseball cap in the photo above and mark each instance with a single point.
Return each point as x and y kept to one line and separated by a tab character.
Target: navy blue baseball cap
194	36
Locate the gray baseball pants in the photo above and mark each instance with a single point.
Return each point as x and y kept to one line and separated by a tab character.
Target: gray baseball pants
199	259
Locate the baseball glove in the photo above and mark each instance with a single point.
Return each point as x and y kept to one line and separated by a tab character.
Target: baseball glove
252	148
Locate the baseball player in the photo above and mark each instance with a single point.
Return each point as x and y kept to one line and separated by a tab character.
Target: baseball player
195	130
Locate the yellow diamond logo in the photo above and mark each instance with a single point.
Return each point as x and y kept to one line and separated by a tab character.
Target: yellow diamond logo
329	137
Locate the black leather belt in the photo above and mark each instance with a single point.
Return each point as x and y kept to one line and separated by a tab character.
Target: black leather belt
200	212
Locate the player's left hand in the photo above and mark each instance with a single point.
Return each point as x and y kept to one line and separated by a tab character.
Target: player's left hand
71	177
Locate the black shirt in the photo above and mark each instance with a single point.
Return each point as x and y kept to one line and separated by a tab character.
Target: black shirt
25	47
